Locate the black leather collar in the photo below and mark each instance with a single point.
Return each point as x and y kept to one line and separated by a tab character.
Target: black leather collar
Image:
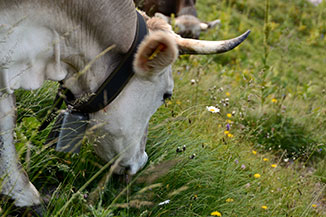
116	81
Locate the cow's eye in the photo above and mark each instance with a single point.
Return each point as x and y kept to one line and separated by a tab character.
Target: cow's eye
167	95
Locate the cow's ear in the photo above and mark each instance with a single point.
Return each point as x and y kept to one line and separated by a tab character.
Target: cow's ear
156	52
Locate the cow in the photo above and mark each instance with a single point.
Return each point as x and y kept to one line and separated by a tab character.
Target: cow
186	22
57	40
167	7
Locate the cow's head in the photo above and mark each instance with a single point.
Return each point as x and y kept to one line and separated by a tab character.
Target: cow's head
189	26
125	120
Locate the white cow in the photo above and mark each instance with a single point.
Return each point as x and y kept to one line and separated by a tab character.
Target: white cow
55	40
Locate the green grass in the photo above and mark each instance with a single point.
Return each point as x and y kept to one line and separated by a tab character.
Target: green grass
283	59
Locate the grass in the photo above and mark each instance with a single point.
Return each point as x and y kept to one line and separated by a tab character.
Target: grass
276	92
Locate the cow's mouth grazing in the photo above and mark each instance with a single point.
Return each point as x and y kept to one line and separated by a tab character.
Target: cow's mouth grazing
140	161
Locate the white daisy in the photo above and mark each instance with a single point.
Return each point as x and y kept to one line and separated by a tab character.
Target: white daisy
212	109
164	202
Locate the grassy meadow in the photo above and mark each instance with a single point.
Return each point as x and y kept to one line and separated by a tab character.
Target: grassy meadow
263	154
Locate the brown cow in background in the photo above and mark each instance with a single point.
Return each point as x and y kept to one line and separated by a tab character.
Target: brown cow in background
167	7
186	22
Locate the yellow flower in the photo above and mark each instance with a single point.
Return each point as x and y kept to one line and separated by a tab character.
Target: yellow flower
230	135
178	102
273	25
274	165
314	205
265	159
274	100
254	152
302	27
228	115
216	213
229	200
229	121
227	94
257	175
264	207
226	132
169	103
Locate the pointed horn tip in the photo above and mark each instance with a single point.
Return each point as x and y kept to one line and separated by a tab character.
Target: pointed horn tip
245	35
240	38
233	43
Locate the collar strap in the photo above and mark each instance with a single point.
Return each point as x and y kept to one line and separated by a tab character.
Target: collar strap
116	81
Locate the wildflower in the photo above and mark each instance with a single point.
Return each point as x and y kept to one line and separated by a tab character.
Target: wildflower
227	93
178	102
212	109
265	159
243	166
216	213
228	115
264	207
254	152
230	135
274	100
236	161
257	175
228	126
164	202
229	121
286	160
314	205
193	81
226	132
229	200
274	165
302	27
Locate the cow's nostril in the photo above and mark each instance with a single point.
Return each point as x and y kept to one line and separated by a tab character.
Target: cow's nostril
127	168
167	96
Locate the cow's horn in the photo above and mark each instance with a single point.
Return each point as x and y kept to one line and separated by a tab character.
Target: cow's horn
192	46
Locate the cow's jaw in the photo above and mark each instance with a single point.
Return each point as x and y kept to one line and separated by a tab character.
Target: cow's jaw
122	125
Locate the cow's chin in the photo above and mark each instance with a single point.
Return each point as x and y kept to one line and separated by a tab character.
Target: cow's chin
130	161
130	168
